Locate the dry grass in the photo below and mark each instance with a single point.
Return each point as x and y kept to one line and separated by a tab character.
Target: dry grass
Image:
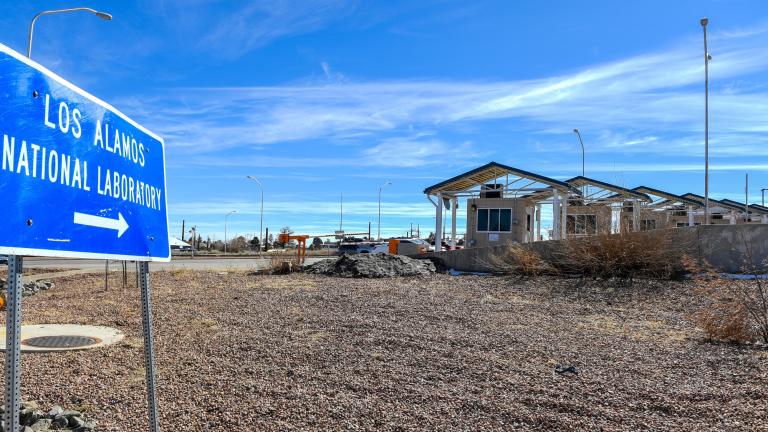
283	264
625	256
733	310
519	260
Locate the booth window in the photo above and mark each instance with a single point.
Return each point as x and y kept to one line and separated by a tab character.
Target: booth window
494	220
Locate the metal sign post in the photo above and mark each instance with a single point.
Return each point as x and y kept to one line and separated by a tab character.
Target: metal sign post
13	345
149	350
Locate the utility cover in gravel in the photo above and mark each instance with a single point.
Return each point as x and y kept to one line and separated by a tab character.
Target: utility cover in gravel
372	266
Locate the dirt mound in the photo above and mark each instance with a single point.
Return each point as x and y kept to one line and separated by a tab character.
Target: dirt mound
372	266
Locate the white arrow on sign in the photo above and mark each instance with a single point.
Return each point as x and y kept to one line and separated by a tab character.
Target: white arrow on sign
119	224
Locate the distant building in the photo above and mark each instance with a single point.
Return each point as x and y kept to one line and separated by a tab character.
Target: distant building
179	245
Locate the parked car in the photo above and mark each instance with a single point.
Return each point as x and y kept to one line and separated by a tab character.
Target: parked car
3	259
380	248
347	248
362	247
411	246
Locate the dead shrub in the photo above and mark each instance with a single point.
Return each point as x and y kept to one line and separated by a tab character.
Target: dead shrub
625	256
733	309
516	259
282	264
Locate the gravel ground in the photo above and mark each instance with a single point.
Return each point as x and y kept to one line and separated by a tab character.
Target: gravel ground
245	353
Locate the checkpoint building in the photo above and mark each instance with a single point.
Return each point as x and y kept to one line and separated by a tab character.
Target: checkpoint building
505	204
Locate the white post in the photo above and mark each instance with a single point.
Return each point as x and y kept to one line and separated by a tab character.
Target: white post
439	224
635	215
733	217
690	216
538	222
454	206
564	215
556	216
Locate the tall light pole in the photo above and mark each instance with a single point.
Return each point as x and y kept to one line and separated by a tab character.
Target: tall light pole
378	229
707	58
576	131
225	229
102	15
261	212
746	197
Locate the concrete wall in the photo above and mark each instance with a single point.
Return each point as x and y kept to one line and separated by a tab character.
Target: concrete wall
723	246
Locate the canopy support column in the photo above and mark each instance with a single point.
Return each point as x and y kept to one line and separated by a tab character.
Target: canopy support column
439	223
556	233
635	216
454	208
690	216
538	222
564	217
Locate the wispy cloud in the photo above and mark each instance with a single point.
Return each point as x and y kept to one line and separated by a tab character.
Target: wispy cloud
352	208
241	26
678	167
416	152
634	98
259	22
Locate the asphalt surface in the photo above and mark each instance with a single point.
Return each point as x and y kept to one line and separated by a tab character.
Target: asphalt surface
205	263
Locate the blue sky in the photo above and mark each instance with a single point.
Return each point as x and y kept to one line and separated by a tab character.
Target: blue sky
319	98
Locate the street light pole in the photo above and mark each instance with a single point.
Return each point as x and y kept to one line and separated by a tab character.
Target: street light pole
261	212
225	229
378	229
576	131
704	22
102	15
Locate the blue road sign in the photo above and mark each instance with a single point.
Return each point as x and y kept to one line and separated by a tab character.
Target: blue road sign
77	177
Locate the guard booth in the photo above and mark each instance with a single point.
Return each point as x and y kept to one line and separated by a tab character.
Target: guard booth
503	204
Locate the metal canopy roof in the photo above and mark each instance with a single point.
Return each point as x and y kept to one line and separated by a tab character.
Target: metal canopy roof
757	208
669	196
620	191
719	203
492	171
752	207
732	203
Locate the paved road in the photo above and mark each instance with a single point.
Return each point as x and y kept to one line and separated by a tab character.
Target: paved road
207	263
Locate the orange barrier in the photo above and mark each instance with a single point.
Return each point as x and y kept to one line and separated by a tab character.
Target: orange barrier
301	250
